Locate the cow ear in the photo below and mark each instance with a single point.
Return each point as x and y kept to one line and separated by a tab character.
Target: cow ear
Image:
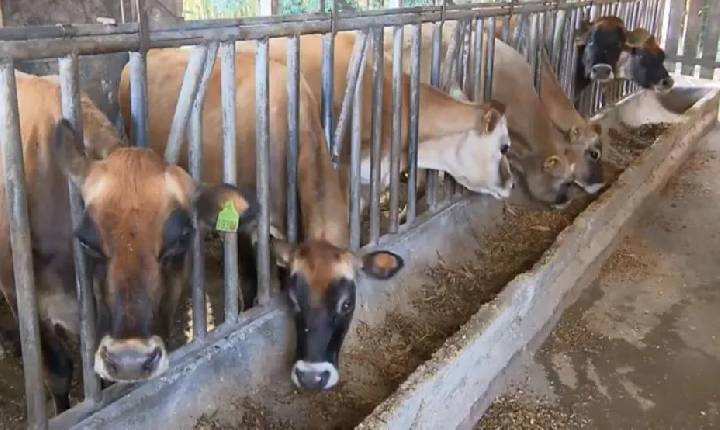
382	264
552	164
494	112
224	207
69	153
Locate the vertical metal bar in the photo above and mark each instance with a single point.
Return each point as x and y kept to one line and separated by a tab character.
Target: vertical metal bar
414	111
138	98
478	61
70	101
195	160
559	44
537	50
378	68
506	29
431	177
710	41
293	85
490	59
262	148
15	194
326	102
551	17
397	76
355	155
357	62
573	55
188	90
227	101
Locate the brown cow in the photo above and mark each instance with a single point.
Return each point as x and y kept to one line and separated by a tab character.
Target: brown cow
322	270
469	141
135	233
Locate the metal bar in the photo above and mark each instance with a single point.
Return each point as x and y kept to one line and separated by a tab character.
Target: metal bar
709	63
195	160
262	148
710	38
478	61
414	111
397	76
24	277
293	90
537	51
551	17
431	176
326	76
189	87
357	63
559	46
70	101
138	98
227	101
378	68
490	59
573	55
355	154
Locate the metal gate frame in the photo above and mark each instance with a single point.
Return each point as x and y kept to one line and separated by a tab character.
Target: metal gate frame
214	38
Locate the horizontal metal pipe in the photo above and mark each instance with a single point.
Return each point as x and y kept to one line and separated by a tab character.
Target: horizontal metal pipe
160	36
70	105
229	142
293	90
354	71
188	90
195	160
262	148
22	259
377	132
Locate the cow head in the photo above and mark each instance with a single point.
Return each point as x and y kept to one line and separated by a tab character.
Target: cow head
321	287
546	177
481	164
600	45
585	153
136	232
643	60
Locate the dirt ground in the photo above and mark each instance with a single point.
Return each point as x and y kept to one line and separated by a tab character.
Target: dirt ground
641	346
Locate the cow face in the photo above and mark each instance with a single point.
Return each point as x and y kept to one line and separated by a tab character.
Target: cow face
136	232
585	153
482	164
643	62
321	287
600	45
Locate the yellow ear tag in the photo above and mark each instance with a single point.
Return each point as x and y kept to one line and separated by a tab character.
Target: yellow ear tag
228	218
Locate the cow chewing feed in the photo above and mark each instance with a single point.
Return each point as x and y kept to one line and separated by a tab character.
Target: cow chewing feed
538	152
607	51
467	140
322	271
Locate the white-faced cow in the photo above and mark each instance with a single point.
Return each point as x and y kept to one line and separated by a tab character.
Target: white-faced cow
607	50
467	140
135	232
322	270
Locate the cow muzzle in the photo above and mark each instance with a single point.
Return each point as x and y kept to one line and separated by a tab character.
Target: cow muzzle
130	360
601	72
314	376
664	85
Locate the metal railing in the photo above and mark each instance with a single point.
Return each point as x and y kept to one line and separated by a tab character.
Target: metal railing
691	37
552	26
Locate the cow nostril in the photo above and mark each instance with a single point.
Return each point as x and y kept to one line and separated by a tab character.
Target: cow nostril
322	378
151	362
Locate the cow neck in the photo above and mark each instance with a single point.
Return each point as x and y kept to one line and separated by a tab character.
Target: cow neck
323	204
442	115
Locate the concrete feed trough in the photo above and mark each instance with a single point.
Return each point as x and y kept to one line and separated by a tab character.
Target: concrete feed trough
482	282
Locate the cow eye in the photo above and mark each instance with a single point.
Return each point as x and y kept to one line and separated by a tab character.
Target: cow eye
594	154
504	148
178	245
